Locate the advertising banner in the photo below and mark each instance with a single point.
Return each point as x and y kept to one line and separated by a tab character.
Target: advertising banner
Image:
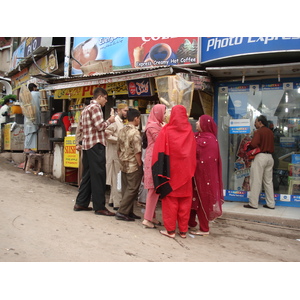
239	126
17	56
134	52
71	155
141	87
47	64
115	88
20	78
31	44
213	48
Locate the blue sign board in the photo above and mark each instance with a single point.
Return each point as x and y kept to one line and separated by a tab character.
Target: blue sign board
140	87
213	48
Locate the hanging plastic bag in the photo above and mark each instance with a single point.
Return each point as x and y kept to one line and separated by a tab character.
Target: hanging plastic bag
119	182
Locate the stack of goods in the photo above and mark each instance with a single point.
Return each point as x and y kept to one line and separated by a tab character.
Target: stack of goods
44	100
294	175
28	108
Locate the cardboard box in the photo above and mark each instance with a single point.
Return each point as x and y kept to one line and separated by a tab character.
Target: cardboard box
295	158
294	170
97	67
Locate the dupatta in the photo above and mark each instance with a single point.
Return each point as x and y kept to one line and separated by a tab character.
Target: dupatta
174	153
208	175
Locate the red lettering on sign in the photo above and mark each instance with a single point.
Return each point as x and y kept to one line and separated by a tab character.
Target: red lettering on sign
132	88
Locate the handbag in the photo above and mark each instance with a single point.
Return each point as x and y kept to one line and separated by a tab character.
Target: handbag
144	140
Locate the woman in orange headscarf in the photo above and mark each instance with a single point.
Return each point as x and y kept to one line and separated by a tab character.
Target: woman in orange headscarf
173	166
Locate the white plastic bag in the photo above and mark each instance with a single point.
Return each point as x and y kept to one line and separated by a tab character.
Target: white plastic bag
119	182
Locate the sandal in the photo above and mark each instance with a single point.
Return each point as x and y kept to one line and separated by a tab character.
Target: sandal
148	224
155	222
170	234
198	232
182	234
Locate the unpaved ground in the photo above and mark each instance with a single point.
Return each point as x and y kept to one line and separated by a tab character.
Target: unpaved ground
37	224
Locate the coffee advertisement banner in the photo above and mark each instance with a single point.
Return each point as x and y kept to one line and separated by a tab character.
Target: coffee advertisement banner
135	52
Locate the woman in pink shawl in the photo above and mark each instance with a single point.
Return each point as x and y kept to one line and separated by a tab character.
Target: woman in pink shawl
208	185
153	127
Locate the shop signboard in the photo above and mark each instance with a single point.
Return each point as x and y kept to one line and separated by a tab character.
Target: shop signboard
135	52
239	126
20	78
236	194
29	46
33	44
202	83
17	57
140	87
287	142
46	64
115	88
71	155
214	48
7	136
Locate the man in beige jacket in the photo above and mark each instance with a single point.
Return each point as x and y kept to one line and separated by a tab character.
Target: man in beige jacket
112	160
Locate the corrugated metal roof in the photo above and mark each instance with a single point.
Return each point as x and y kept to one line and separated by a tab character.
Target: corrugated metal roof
124	75
97	75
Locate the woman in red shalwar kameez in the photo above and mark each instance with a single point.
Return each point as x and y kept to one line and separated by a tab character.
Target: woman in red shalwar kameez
207	183
173	166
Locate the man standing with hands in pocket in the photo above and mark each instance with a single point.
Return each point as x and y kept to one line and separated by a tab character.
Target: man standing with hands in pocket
92	129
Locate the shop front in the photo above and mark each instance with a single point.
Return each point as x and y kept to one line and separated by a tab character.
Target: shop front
238	106
245	89
138	89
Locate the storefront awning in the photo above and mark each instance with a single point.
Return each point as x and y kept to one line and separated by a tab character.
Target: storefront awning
242	72
110	78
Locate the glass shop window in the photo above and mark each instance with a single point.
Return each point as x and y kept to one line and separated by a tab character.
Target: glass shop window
280	103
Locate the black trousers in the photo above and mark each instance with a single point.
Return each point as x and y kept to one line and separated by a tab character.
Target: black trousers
93	183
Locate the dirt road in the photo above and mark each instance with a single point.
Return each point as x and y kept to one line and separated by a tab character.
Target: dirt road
38	224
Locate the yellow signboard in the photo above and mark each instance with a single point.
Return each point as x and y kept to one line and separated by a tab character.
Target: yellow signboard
7	136
20	78
116	88
71	155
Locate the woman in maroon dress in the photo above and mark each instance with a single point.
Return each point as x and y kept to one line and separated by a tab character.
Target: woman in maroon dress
208	185
173	166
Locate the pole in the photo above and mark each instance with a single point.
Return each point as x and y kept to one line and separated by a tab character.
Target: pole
67	56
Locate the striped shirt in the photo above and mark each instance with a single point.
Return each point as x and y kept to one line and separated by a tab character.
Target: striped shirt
92	125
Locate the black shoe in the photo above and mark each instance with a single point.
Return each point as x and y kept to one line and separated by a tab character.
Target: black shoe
249	206
123	217
79	208
133	216
105	212
266	206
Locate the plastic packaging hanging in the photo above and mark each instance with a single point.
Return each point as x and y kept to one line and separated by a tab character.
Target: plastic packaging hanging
174	90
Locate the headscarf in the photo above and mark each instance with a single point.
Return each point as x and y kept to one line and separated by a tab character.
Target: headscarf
207	124
156	116
208	174
174	153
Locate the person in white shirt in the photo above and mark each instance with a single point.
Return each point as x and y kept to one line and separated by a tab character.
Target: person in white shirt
112	159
